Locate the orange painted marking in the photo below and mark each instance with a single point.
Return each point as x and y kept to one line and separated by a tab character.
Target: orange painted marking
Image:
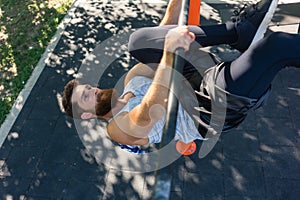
194	12
186	149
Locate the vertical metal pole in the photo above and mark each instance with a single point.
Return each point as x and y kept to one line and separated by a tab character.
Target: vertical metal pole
164	176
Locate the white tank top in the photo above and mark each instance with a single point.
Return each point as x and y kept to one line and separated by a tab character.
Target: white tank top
186	130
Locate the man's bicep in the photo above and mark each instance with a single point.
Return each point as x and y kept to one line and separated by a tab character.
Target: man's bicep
124	130
134	123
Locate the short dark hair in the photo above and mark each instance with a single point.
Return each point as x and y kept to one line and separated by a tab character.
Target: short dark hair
71	109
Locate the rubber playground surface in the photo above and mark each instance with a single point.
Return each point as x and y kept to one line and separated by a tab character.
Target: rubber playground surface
47	155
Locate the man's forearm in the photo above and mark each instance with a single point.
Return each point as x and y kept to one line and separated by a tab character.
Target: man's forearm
172	13
157	93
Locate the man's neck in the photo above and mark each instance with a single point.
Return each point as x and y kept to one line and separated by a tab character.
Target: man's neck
121	102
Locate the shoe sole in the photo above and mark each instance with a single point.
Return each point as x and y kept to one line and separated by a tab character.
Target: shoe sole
264	24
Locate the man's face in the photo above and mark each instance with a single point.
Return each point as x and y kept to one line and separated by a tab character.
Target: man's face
94	100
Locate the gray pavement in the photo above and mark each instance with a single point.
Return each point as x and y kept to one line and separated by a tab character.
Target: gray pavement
44	157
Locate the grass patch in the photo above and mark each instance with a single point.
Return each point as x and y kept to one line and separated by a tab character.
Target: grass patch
26	28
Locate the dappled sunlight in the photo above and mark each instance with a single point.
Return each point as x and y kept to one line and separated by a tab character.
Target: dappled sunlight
217	164
11	184
26	28
280	161
237	178
4	171
267	148
75	159
296	91
95	138
8	68
277	131
87	156
13	136
193	178
250	137
234	2
209	13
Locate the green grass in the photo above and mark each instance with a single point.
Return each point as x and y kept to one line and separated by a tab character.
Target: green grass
26	28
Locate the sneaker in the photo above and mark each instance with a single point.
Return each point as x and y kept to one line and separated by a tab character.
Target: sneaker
252	22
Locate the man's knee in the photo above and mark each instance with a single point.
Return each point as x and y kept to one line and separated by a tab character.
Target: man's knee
147	44
148	37
137	39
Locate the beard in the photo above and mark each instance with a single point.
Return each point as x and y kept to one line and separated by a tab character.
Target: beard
106	100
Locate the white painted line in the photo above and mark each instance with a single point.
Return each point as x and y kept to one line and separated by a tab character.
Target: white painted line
22	97
290	28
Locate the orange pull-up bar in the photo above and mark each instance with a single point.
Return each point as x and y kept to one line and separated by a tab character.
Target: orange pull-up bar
194	12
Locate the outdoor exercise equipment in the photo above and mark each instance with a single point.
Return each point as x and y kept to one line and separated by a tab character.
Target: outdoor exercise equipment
194	12
163	176
193	18
186	149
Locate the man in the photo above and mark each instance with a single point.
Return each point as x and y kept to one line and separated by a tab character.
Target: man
136	117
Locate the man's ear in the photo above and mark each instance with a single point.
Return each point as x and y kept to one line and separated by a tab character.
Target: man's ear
87	115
